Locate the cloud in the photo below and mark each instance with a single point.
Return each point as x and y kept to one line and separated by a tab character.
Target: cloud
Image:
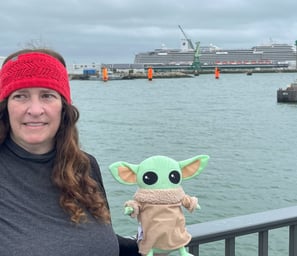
114	30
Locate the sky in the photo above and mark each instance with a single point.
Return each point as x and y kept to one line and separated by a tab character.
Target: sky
113	31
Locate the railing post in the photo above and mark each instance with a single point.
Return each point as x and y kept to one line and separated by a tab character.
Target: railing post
230	246
293	240
263	243
194	250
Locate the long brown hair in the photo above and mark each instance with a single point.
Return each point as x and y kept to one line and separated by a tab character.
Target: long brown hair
72	168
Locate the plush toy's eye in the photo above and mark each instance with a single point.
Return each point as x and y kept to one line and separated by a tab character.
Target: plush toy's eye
150	178
174	177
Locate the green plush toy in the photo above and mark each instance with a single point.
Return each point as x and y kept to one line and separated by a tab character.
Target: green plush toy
158	200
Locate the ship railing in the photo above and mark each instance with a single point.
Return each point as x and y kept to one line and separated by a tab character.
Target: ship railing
258	223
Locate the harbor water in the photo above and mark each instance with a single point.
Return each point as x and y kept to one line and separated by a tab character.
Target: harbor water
250	138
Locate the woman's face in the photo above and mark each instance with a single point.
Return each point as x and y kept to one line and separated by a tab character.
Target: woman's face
34	116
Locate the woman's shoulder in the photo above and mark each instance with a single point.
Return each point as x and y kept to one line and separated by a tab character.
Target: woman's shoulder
93	162
90	156
95	171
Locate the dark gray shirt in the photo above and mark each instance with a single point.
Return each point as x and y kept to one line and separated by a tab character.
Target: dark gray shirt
32	222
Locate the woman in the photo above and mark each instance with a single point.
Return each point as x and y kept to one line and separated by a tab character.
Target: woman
52	200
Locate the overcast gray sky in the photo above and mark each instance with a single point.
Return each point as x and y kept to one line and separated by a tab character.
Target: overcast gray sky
112	31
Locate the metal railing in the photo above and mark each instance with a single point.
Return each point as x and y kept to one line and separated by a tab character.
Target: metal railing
230	228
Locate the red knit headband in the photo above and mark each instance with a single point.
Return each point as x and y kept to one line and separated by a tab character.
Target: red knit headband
34	69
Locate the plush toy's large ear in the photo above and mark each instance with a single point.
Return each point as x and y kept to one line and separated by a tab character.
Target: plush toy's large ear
124	172
193	166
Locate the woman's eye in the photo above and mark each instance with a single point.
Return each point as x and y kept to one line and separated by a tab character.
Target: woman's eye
19	96
48	96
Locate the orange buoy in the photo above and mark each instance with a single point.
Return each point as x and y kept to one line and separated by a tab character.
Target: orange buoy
217	73
150	73
104	74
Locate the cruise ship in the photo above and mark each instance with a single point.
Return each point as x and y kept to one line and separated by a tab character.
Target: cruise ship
269	55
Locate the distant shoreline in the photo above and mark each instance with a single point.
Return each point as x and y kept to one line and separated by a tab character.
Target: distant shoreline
185	74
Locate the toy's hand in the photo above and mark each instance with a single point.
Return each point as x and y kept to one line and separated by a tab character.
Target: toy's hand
128	210
131	208
190	203
198	207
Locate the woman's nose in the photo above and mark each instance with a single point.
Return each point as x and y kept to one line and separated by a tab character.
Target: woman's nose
35	107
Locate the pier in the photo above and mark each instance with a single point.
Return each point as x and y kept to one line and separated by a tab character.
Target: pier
259	223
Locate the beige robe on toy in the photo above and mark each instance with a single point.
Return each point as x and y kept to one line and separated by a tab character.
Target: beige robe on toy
161	218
